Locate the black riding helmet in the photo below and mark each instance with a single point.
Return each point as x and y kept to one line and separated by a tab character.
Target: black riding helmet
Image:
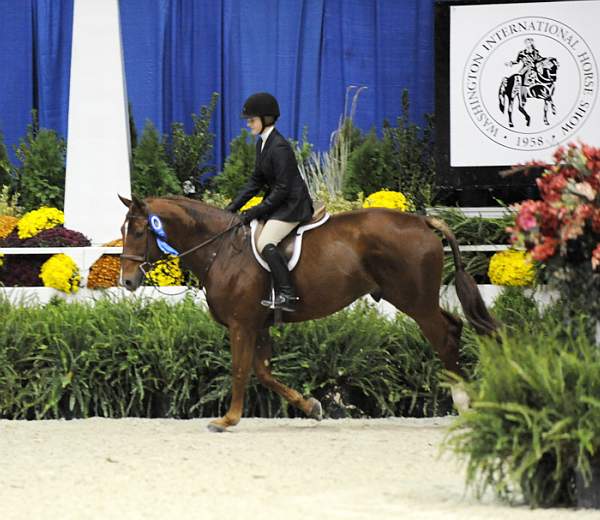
261	104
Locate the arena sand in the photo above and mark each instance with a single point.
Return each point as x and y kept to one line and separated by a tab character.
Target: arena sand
264	468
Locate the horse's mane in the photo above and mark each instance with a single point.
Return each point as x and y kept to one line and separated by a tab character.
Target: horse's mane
196	209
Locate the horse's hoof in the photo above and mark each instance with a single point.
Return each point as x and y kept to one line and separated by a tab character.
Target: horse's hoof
460	398
316	410
216	428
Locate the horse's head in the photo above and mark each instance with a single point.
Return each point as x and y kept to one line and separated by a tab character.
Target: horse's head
138	245
547	68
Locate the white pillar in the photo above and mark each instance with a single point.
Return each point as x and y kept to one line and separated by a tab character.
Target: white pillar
98	149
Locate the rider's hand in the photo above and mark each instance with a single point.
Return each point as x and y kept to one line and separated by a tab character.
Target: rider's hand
247	216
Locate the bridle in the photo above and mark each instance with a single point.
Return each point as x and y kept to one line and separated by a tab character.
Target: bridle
146	266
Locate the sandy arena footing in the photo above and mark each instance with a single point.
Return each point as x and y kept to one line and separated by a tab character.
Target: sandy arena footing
287	469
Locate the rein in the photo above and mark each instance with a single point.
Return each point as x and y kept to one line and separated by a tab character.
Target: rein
144	260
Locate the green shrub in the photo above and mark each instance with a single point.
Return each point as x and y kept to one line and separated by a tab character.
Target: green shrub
6	178
40	179
151	174
189	154
238	167
370	168
129	358
535	417
403	160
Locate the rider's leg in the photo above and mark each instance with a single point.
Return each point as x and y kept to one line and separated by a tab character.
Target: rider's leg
274	232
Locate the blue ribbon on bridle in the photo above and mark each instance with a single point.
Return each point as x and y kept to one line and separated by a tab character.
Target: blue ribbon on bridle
160	234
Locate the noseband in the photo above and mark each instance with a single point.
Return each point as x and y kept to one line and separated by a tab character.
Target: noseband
143	260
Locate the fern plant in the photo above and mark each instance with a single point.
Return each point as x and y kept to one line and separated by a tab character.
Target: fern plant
535	417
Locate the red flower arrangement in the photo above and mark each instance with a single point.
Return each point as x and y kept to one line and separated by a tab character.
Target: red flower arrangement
564	226
562	230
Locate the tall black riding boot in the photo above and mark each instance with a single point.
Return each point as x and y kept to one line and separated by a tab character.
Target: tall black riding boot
285	295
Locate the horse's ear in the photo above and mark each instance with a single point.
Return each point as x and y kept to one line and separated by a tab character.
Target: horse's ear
125	201
140	204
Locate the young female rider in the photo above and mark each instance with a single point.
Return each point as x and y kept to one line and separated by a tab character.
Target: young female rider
286	203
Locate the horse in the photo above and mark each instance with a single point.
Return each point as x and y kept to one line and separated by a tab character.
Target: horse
382	252
541	85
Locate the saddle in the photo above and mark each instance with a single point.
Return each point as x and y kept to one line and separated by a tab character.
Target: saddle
290	246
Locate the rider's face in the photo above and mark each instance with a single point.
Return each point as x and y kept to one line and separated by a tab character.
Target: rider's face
254	124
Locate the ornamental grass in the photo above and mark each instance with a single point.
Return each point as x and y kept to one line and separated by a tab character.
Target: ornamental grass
535	418
134	358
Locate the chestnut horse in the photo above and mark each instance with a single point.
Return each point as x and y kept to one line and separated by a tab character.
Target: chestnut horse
388	254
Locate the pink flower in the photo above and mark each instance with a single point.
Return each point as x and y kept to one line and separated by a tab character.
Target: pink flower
526	221
596	257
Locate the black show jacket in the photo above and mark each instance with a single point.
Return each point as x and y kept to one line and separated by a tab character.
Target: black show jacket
276	171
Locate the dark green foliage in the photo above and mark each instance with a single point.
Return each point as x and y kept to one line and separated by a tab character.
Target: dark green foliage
303	151
189	154
5	166
151	173
536	414
132	128
369	168
126	358
239	165
40	178
403	160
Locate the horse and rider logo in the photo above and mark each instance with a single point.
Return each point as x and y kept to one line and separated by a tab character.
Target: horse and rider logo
536	79
548	93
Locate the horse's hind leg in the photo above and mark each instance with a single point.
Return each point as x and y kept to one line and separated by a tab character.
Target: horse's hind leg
443	330
262	368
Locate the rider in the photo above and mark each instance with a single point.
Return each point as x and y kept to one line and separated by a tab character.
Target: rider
528	58
286	203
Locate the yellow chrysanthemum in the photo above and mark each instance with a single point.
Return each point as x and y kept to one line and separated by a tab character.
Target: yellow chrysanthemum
61	272
167	272
511	267
38	220
1	261
7	224
388	199
254	201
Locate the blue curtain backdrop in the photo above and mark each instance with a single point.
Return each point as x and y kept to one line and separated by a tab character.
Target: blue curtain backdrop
177	52
35	58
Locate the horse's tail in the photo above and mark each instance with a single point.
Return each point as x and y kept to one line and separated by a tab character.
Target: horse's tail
466	288
501	93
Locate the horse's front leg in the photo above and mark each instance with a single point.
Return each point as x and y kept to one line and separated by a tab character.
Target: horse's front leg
262	368
243	342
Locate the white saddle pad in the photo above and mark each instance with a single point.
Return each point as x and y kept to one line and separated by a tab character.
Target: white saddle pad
293	261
